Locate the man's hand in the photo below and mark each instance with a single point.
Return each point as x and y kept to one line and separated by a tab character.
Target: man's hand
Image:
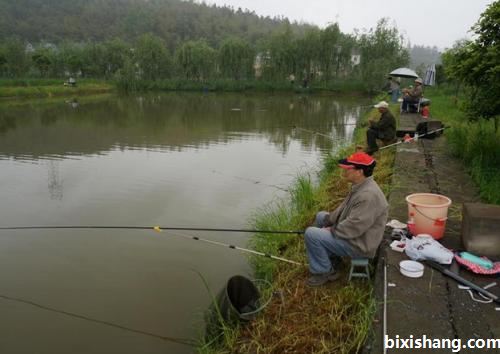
326	220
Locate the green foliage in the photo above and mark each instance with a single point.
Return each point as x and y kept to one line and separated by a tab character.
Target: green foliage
196	60
330	50
15	61
294	213
381	51
152	58
277	58
116	53
235	59
42	59
476	143
127	78
477	64
174	21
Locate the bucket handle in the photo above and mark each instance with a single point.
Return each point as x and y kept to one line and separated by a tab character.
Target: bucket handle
428	217
262	307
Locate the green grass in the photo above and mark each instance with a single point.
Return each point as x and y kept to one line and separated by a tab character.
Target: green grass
475	142
40	88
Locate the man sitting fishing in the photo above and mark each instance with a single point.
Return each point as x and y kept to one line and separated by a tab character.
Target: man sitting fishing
412	96
354	229
384	129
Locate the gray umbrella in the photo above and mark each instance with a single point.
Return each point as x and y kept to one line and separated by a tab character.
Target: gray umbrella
404	72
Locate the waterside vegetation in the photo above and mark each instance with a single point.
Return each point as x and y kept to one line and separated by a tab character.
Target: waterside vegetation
46	88
475	142
335	318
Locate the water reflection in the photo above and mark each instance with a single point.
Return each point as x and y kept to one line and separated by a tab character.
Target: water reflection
171	122
195	160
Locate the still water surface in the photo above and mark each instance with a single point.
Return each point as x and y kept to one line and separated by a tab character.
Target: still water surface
173	160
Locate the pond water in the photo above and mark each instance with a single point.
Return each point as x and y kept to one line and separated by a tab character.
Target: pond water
189	160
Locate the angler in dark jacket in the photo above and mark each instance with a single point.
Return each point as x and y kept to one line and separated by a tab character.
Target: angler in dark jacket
384	129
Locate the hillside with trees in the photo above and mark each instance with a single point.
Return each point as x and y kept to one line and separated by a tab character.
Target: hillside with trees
173	21
171	44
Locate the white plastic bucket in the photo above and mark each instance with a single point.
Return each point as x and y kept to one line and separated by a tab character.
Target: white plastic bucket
429	212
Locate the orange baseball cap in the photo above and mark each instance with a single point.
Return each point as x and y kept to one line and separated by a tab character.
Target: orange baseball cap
358	160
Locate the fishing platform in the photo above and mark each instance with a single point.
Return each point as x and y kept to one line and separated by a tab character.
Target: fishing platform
411	123
433	305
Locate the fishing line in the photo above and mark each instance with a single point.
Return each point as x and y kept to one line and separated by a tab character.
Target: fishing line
253	181
183	341
298	232
317	133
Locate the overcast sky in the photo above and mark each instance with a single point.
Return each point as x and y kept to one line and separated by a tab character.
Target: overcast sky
424	22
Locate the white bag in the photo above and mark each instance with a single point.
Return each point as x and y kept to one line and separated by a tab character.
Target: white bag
425	247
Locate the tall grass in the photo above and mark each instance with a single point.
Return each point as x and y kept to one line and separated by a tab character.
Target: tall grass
475	142
293	213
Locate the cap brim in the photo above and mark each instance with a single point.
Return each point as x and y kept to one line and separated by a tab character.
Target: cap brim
345	164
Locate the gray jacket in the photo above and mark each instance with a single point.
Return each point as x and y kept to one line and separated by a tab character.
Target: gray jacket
360	219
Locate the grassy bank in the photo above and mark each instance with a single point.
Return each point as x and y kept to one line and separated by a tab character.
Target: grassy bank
42	88
475	142
334	318
221	85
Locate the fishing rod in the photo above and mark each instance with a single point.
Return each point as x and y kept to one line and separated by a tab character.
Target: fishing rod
233	247
298	232
463	281
414	138
161	228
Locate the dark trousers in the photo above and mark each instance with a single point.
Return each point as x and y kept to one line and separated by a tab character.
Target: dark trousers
371	139
406	104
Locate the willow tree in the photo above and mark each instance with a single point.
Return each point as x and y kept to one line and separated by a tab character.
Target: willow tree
382	50
308	51
152	58
196	60
236	58
116	53
278	55
330	51
94	60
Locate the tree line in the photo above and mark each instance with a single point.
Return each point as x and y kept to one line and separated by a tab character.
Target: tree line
317	55
474	66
